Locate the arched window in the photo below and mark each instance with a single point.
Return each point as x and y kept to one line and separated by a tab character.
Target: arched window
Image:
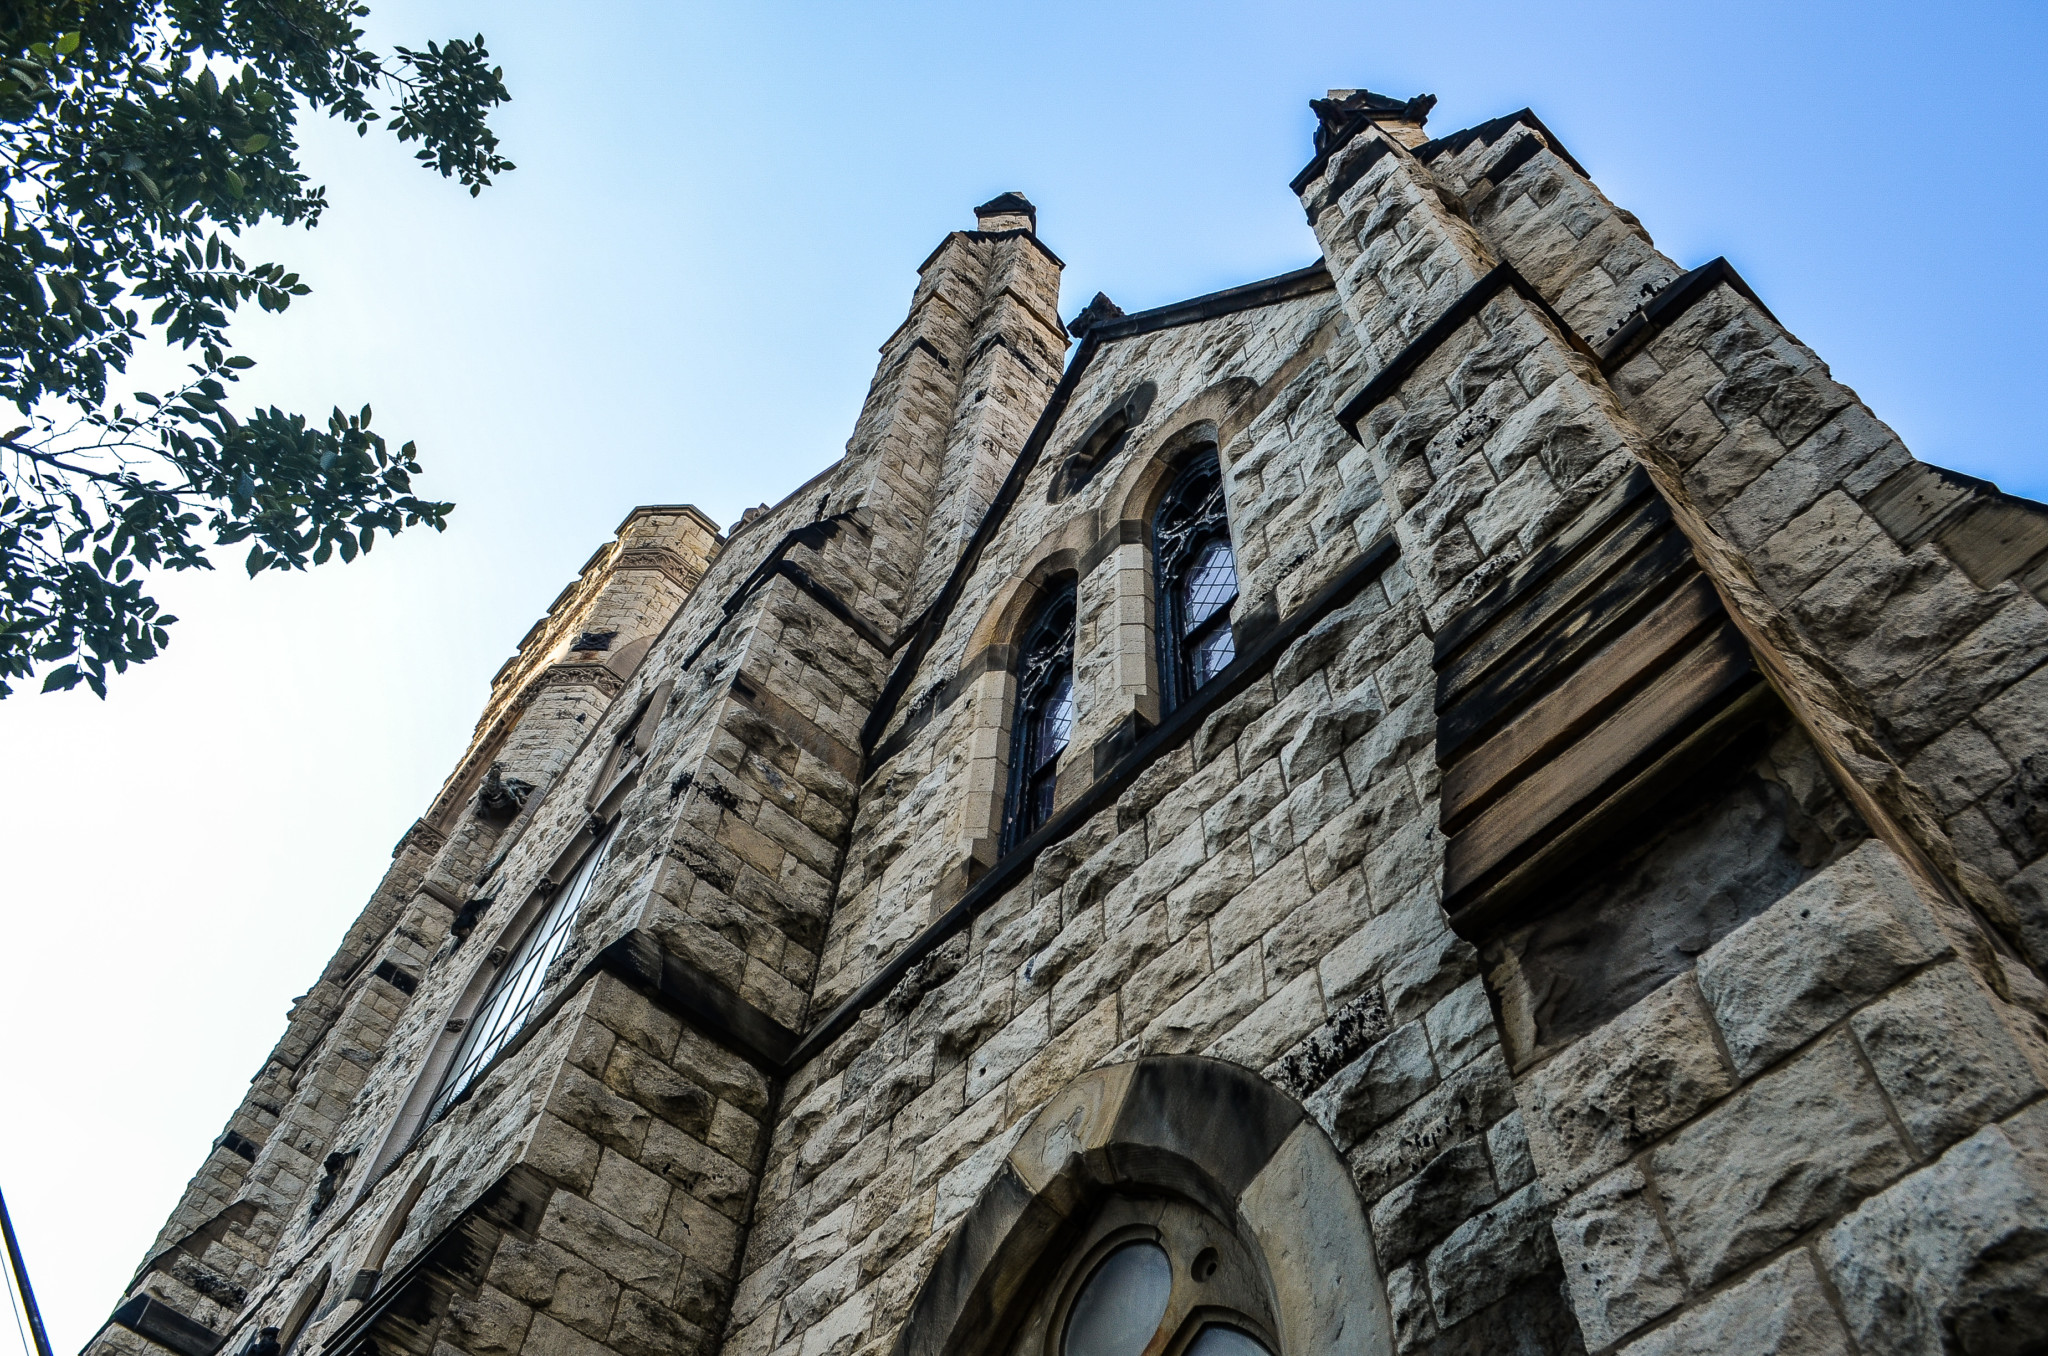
1197	580
520	980
1045	716
1158	1274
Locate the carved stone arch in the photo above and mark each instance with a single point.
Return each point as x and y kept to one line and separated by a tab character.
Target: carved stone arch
988	680
1200	1129
1216	416
1010	608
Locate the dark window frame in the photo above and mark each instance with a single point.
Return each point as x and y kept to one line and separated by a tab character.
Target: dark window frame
1192	517
1045	679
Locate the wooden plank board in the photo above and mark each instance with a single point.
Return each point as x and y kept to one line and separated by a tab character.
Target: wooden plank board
1549	795
1556	597
1619	602
1480	913
1568	710
1596	518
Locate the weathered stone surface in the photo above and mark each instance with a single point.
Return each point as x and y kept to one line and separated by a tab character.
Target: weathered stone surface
1780	1311
1490	1255
1450	1187
1617	1263
1376	1086
1947	1057
1837	941
1787	1151
1955	1257
1268	892
1459	1108
1646	1072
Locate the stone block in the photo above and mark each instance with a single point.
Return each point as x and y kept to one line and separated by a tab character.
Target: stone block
1375	1087
1780	1311
1449	1189
1646	1072
1066	1055
1617	1264
630	1191
1227	995
1277	893
1799	1144
1947	1058
1955	1257
1491	1254
1801	553
1461	1026
997	1058
616	1248
1508	1145
709	1176
1289	1012
563	1152
555	1280
488	1323
1837	941
597	1111
1959	768
1459	1108
646	1327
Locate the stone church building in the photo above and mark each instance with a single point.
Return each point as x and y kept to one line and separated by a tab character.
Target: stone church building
1468	798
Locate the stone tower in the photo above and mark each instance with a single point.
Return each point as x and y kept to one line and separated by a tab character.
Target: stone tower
1464	798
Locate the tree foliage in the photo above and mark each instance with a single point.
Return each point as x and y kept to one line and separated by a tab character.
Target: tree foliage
142	137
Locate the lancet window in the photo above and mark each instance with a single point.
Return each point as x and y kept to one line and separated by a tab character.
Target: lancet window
1197	580
522	976
1044	715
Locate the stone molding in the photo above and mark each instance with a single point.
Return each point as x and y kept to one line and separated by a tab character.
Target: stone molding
1200	1128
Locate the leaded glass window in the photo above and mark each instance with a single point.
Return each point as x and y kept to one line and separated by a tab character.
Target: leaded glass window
1044	717
519	983
1197	580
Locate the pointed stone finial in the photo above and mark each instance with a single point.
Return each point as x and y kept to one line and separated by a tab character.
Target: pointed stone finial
1007	212
1097	312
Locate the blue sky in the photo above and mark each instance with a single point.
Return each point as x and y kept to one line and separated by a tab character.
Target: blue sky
678	296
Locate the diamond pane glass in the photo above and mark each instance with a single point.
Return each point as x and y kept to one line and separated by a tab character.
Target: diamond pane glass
1055	722
1118	1310
1211	653
1210	583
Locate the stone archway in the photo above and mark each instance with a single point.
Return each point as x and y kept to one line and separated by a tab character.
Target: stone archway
1202	1129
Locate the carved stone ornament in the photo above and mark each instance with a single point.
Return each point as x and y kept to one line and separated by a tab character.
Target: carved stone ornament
1098	312
502	797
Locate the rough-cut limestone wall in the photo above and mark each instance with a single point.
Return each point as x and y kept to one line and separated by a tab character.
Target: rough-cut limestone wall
1942	676
288	1123
1725	1184
1252	371
1830	1126
726	846
1009	366
1707	1150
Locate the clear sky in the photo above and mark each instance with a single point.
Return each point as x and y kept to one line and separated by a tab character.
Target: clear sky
677	296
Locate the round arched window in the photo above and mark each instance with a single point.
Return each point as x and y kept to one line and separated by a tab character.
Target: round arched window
1154	1276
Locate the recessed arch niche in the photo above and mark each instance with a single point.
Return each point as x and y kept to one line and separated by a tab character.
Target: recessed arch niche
1201	1134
